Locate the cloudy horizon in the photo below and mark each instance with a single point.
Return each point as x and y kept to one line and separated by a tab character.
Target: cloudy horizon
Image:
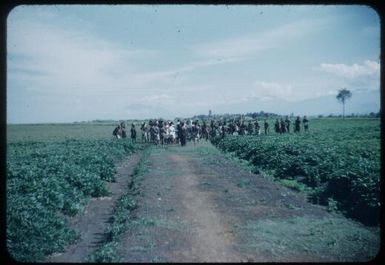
69	63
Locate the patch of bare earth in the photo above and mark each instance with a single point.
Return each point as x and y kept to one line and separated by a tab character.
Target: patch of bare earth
93	220
198	206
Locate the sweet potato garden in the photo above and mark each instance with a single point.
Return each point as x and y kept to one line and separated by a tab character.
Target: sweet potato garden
308	196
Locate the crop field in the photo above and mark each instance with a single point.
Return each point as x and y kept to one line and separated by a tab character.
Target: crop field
55	170
52	170
337	162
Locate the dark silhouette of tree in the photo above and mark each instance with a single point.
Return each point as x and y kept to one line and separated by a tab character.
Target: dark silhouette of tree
342	96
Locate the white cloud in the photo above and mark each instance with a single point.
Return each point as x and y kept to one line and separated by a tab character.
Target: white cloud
73	61
368	68
272	90
160	99
242	47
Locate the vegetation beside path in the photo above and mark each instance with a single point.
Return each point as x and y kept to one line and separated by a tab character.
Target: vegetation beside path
48	180
337	163
107	252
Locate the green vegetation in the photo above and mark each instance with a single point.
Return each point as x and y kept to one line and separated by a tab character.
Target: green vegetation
120	220
59	132
50	178
334	239
337	159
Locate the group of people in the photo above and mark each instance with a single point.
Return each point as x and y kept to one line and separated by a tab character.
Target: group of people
283	126
120	131
168	132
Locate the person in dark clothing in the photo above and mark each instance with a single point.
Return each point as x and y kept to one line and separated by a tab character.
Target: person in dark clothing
123	126
305	122
223	131
287	123
266	127
162	132
213	131
178	131
133	133
205	132
242	128
277	126
297	125
257	127
117	132
183	134
249	128
283	126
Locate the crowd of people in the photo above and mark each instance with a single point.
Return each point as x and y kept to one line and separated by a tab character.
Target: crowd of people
168	132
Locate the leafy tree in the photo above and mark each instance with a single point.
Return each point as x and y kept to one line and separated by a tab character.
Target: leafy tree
343	95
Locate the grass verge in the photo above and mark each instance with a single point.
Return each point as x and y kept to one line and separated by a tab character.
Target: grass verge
331	239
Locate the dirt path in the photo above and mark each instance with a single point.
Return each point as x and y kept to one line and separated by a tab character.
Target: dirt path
92	222
198	206
210	240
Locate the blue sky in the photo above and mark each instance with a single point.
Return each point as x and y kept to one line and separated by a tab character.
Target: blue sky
81	62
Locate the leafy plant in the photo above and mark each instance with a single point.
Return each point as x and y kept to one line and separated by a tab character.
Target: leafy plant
46	180
334	160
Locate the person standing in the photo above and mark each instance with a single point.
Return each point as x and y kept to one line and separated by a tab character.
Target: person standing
213	132
249	128
133	132
183	134
205	132
287	122
277	127
162	133
178	131
223	131
117	132
144	131
297	126
257	127
266	127
305	122
283	126
123	126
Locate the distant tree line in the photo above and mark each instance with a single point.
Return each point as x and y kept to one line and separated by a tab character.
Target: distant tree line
252	115
353	115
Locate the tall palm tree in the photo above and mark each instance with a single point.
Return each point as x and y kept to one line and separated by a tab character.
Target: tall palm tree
343	95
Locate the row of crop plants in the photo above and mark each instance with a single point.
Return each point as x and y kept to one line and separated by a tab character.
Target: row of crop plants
47	181
342	167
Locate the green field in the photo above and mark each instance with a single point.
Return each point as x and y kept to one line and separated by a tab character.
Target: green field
52	170
59	132
337	162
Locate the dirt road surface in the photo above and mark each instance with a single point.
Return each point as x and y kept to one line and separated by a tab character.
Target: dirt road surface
196	205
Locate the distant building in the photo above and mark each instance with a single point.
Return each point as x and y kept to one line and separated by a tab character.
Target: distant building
210	113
